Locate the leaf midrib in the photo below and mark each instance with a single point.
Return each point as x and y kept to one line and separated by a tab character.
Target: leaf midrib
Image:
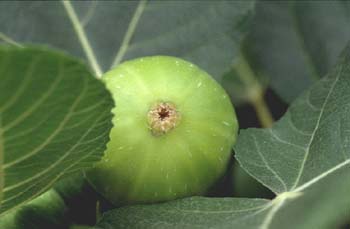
307	151
129	32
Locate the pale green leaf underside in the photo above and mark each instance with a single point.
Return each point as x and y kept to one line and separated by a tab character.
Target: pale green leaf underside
208	34
311	140
55	119
295	43
195	212
314	208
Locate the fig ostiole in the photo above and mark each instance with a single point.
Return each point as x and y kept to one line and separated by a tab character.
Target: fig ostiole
173	130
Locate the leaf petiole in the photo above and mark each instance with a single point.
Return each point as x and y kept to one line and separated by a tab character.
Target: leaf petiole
255	91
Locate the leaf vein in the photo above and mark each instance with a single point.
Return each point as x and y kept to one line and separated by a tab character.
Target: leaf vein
267	165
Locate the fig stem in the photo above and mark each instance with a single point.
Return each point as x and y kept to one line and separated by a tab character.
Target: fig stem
262	111
255	91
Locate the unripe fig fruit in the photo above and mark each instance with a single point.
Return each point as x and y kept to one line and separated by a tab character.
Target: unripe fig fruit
174	128
46	211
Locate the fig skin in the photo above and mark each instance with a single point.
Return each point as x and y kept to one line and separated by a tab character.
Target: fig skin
144	165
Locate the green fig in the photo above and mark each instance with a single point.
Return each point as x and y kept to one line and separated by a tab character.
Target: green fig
174	128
